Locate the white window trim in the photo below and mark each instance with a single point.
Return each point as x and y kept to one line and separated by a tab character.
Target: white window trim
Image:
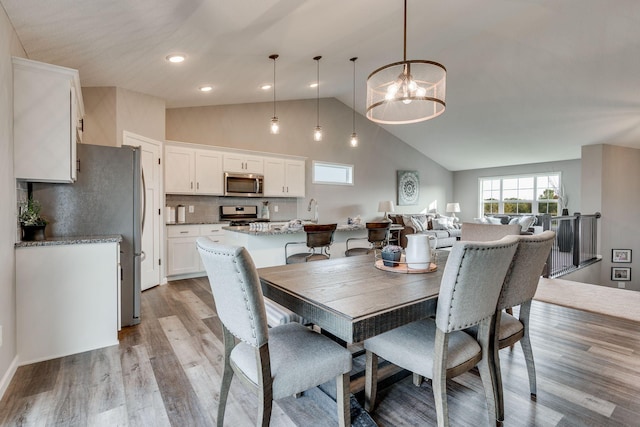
345	166
534	203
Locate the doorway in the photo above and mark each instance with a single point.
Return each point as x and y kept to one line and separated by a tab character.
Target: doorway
151	154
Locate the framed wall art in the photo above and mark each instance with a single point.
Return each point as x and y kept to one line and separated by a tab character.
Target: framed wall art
620	255
408	188
621	274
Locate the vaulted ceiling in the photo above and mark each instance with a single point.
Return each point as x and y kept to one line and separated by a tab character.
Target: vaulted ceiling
528	81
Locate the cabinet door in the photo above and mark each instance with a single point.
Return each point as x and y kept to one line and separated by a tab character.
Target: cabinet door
209	172
294	178
179	170
43	127
274	179
242	163
182	256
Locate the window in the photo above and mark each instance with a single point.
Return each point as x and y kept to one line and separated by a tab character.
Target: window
332	173
530	194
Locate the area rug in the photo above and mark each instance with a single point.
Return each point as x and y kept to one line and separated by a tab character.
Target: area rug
621	303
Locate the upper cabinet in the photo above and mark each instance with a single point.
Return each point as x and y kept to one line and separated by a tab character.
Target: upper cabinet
284	177
192	171
47	121
243	163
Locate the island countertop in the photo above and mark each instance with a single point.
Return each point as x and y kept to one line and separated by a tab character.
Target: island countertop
277	231
71	240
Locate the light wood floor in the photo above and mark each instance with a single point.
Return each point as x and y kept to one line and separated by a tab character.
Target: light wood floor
166	372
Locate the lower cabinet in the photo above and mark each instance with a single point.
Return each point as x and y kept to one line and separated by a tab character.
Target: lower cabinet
67	299
182	255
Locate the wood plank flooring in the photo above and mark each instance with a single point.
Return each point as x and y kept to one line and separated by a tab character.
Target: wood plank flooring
166	372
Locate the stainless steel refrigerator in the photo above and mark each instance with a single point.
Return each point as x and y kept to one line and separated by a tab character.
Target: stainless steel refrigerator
105	199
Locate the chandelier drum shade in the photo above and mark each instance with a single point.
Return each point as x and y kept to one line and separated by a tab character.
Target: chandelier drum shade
408	91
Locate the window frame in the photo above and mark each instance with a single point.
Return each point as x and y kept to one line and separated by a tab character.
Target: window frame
344	166
535	203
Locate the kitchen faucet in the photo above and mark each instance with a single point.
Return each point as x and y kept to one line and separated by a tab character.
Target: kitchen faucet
315	212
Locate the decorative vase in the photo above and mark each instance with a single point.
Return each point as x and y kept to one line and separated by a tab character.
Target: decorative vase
418	251
391	259
32	233
565	234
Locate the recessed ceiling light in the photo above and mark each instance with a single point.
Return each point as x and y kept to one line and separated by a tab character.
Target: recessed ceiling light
313	85
206	88
265	87
176	58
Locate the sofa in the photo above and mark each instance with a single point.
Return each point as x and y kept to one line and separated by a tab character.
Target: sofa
445	229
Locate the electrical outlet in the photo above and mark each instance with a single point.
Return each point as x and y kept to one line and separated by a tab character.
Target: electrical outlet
191	209
622	285
275	208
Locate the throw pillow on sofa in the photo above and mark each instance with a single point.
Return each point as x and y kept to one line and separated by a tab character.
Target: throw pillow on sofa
417	224
525	221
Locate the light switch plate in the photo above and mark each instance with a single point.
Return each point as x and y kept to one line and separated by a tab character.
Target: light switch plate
191	209
621	285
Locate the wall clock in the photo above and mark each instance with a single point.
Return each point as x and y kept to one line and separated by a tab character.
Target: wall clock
408	188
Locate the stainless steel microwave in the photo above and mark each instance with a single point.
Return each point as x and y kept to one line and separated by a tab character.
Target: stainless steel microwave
243	184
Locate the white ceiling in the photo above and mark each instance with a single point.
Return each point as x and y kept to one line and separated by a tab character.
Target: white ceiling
528	81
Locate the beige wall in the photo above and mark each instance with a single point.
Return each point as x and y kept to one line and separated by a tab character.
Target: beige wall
9	45
375	161
612	179
109	111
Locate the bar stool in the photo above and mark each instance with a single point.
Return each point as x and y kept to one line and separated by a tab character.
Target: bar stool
319	239
377	235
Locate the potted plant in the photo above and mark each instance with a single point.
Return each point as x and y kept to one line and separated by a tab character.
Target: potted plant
31	222
391	255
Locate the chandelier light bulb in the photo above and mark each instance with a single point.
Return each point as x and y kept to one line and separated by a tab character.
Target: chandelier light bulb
354	140
275	126
317	133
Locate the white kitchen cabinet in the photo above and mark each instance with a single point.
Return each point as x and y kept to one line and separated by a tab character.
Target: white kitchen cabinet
47	121
182	255
243	163
284	177
67	299
193	171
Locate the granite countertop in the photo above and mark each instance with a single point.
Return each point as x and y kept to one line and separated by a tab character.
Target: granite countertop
199	223
274	231
71	240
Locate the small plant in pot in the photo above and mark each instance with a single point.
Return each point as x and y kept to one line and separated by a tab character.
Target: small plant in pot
31	222
391	255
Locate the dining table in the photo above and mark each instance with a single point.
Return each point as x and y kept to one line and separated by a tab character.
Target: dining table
355	298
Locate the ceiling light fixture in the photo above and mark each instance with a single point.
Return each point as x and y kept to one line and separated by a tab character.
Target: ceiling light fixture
206	88
317	132
265	87
354	136
406	91
176	58
275	124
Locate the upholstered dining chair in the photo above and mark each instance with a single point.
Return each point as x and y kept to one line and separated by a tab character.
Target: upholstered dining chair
274	363
319	240
377	235
519	288
438	348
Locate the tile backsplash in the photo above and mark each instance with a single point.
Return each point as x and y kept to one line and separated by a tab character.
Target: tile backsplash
207	208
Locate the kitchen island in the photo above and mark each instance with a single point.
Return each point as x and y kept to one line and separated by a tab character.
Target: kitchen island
267	246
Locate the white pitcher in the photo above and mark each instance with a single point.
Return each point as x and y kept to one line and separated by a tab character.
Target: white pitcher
418	253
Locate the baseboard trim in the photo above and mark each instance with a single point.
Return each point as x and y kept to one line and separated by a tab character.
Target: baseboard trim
8	376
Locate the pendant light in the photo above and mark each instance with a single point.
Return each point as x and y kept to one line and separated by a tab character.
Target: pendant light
353	141
275	124
317	132
406	91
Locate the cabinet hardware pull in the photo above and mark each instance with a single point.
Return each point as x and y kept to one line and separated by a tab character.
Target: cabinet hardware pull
198	186
192	185
184	232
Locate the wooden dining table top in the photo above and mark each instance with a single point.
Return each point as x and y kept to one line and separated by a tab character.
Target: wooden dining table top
351	298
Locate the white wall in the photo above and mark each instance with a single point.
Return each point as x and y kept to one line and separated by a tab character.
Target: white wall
376	161
9	45
465	184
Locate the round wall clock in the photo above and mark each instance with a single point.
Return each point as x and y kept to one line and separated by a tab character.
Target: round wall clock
408	188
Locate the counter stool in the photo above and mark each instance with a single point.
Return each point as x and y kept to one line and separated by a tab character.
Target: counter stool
377	235
319	239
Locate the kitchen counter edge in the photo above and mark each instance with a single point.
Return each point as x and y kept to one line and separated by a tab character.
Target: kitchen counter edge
71	240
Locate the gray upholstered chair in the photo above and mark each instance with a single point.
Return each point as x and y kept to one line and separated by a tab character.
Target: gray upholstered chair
519	288
377	236
319	240
274	363
438	348
470	231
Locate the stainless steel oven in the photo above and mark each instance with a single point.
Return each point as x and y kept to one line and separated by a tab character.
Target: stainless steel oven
243	184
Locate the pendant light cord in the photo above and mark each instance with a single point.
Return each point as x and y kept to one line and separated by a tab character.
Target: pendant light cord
317	59
274	57
405	30
354	93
